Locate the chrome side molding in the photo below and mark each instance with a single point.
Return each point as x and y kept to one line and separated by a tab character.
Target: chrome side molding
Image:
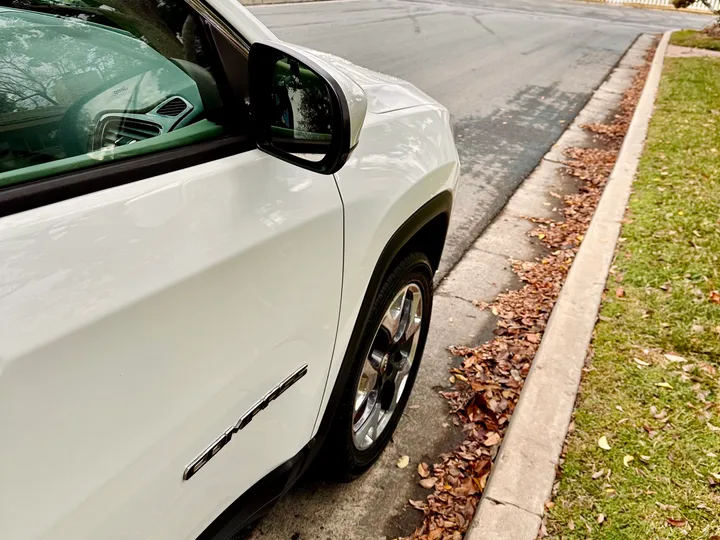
212	450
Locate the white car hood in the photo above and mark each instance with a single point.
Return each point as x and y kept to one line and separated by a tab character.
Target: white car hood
383	92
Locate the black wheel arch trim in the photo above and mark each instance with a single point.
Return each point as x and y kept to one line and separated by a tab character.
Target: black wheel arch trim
439	205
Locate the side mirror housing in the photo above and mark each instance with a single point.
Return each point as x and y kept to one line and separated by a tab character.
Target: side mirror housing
303	111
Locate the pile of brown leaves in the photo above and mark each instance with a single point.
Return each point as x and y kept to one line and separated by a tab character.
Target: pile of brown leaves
490	378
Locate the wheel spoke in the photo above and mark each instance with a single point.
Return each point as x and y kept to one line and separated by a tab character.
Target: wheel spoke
386	395
404	369
411	314
367	432
414	313
391	320
400	379
375	359
405	318
367	383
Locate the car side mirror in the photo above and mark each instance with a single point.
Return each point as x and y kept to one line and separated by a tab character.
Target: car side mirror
300	109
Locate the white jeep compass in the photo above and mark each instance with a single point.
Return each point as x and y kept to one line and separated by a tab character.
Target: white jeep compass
216	264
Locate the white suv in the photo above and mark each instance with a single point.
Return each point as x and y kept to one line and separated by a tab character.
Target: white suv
216	261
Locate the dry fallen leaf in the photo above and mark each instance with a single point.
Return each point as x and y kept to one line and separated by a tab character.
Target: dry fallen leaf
641	362
664	385
646	459
603	443
423	470
619	292
598	474
492	439
428	483
403	462
601	518
675	358
707	368
677	522
715	297
627	459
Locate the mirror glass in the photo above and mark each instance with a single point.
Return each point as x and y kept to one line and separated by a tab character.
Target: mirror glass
302	115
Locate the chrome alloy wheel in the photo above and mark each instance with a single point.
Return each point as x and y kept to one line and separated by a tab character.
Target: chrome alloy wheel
387	366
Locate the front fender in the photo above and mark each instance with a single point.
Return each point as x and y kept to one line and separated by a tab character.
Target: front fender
405	159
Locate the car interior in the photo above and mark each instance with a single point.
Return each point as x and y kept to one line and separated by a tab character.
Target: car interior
76	88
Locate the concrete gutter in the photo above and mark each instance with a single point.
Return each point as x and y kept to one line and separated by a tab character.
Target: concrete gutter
521	482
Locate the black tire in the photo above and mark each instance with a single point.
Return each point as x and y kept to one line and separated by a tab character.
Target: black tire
341	461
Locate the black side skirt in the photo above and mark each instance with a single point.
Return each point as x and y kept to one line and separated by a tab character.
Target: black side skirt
259	499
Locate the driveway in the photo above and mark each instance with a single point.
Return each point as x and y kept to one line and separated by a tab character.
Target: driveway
513	74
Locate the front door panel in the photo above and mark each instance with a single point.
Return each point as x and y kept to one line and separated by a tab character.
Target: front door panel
139	323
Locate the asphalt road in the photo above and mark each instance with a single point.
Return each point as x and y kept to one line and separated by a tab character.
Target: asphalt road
513	73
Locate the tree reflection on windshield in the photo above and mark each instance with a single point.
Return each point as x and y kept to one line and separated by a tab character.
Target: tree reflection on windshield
40	66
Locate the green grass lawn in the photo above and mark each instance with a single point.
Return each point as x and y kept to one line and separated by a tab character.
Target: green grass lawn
660	414
694	38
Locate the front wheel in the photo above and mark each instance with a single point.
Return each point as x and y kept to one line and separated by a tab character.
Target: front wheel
385	365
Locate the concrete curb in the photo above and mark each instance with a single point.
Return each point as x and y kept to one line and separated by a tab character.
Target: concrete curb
521	482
